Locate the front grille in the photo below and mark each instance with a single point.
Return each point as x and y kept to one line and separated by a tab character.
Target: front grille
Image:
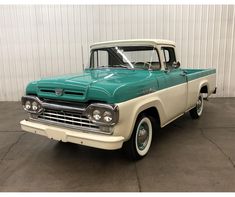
66	92
67	119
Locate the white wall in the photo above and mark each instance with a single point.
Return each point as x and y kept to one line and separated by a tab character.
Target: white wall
38	41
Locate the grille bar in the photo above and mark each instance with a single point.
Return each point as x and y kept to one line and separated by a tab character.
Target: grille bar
67	118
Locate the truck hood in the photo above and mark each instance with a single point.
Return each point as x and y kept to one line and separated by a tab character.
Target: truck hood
103	85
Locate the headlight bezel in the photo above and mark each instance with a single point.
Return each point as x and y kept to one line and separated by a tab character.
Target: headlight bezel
32	99
112	109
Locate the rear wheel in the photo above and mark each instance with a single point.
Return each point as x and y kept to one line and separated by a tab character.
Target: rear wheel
138	145
196	112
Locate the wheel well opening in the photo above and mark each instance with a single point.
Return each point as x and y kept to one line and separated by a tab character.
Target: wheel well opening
204	89
152	111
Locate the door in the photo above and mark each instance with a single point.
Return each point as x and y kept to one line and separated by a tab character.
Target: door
174	86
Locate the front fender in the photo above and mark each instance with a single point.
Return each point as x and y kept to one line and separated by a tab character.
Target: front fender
129	111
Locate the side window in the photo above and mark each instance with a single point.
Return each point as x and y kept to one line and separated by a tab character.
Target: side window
103	58
94	59
169	56
100	58
166	56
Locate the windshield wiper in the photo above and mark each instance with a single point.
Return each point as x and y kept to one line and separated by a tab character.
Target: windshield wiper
113	66
122	66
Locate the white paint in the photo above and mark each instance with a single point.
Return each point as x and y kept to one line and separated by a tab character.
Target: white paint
75	136
164	102
45	40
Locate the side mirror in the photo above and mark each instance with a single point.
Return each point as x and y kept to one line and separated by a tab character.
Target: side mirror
176	64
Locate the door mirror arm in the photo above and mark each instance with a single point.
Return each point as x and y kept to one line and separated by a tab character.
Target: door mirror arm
176	64
168	70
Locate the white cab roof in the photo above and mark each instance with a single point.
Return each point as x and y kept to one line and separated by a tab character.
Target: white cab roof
135	42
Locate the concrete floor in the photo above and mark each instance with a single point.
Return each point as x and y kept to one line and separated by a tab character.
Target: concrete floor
188	155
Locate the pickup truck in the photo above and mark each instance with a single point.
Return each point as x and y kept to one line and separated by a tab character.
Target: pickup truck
130	90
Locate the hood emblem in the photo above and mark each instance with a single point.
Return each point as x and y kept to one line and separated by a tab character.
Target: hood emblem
58	92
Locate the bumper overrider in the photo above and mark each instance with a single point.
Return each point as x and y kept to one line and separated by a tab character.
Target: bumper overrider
67	123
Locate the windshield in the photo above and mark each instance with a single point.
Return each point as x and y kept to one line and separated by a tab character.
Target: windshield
134	57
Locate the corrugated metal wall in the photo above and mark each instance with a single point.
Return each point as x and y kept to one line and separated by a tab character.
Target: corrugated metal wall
38	41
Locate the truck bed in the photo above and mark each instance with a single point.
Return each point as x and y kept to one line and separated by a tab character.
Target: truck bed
197	73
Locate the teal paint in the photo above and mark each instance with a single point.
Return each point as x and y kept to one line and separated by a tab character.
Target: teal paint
111	85
197	73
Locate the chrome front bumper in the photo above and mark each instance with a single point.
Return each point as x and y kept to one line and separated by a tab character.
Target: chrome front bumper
75	136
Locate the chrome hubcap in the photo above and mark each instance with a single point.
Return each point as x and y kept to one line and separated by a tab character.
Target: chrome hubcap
143	136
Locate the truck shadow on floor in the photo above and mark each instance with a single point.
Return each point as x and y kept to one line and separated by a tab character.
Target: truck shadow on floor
66	150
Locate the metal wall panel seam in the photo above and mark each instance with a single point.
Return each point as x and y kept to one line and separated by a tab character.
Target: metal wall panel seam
224	51
217	67
206	33
9	94
232	47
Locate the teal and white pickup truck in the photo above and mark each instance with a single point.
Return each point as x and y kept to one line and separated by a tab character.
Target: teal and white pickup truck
130	89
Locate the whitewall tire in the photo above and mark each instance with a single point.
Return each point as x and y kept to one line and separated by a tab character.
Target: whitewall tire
139	144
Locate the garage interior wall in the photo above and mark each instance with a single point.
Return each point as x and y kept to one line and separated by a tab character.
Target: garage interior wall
45	40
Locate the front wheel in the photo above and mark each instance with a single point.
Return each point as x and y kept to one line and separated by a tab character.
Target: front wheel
196	112
138	145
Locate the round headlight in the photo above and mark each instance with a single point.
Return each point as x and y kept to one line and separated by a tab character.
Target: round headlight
27	105
96	114
35	106
107	116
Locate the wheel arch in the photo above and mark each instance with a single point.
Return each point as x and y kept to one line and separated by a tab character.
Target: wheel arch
203	87
130	110
154	109
153	112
